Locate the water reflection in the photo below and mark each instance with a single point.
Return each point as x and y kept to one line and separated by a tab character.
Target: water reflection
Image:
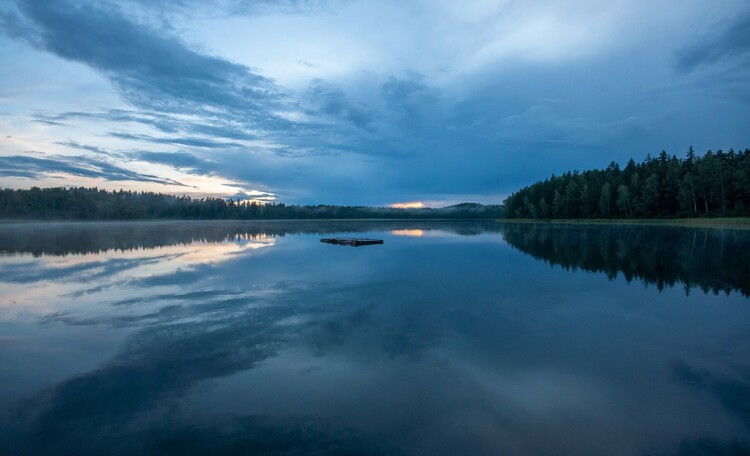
238	339
80	238
139	395
709	259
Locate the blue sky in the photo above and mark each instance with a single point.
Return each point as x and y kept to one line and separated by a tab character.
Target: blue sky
361	101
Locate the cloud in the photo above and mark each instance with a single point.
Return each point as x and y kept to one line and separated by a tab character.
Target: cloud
179	141
162	122
175	159
152	70
77	145
254	196
36	168
173	350
331	101
731	43
242	7
429	102
407	95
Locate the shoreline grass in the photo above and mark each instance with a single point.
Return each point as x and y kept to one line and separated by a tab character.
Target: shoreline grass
718	222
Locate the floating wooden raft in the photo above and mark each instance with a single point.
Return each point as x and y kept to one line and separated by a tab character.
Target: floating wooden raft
354	242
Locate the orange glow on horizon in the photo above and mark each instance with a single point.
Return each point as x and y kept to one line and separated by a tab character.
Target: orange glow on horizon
408	205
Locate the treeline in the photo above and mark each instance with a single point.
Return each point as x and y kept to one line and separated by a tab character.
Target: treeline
716	184
95	204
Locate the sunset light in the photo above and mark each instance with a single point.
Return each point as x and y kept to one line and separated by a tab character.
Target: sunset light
408	205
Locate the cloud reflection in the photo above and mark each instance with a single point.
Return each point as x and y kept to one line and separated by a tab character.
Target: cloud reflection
316	350
30	284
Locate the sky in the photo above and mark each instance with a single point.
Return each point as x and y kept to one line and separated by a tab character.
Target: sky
370	102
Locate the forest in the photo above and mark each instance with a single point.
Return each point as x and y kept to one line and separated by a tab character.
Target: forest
80	203
716	184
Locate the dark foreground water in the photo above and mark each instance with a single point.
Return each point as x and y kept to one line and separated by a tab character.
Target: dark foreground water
449	339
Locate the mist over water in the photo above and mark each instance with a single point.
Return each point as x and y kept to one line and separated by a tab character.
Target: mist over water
450	338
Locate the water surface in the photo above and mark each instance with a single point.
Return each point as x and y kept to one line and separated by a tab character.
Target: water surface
450	338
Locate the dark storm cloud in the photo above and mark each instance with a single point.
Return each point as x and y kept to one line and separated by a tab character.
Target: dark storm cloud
36	168
152	70
732	42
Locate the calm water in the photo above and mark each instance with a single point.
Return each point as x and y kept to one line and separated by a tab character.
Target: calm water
449	339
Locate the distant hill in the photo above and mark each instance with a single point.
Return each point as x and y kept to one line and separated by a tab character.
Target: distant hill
466	206
95	204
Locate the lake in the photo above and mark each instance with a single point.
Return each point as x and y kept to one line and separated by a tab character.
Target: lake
451	338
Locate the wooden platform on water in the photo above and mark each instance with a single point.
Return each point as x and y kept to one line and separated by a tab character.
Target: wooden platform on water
354	242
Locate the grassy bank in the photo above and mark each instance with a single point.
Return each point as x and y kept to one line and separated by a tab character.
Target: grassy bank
719	222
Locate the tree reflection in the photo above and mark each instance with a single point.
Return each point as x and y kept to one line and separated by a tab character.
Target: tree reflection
712	260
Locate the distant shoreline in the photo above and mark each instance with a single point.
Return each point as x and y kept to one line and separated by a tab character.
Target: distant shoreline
28	221
81	203
719	222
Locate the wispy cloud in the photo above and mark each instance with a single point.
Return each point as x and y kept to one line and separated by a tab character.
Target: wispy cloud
175	159
179	141
77	145
37	168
